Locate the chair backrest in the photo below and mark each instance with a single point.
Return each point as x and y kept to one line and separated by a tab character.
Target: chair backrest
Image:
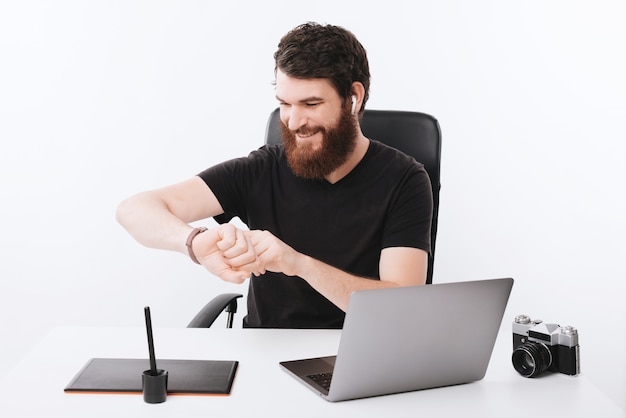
416	134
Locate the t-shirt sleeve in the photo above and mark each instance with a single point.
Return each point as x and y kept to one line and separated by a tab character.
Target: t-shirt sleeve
231	180
409	219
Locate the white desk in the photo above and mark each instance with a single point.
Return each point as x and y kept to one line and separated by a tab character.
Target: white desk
35	386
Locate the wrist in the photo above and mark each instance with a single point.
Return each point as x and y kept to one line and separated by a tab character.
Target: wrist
189	243
302	265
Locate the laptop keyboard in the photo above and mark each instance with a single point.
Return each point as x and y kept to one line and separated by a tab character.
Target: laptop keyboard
322	379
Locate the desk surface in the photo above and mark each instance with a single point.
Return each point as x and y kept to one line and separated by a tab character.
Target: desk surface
35	386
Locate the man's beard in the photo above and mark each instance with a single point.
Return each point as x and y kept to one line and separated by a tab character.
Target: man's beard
338	142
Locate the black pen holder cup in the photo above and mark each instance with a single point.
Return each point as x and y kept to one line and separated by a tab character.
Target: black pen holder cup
154	386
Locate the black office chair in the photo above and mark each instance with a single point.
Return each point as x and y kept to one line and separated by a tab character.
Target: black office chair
416	134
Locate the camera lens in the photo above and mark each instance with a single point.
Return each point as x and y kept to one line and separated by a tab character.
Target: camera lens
531	359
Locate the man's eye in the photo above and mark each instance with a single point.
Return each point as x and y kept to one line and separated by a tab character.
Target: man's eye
312	104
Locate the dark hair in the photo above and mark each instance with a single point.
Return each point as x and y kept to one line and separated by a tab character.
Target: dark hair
312	50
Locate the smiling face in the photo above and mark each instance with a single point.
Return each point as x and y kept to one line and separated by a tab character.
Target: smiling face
319	132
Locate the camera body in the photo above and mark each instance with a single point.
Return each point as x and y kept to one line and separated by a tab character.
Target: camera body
539	347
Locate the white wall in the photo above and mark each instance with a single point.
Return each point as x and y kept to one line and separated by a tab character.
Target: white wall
102	99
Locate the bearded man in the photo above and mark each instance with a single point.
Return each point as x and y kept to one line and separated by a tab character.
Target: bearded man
329	211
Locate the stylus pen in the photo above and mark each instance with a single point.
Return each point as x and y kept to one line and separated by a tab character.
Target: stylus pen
153	368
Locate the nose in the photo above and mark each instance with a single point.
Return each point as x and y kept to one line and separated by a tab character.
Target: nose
293	117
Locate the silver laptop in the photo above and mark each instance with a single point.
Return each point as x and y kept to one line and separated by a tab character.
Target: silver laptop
410	338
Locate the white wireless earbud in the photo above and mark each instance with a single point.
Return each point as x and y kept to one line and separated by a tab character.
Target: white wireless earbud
353	104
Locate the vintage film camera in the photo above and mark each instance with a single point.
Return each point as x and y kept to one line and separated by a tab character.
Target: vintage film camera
538	347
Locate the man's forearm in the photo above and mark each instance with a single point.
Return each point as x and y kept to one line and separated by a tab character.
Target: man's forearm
148	220
335	284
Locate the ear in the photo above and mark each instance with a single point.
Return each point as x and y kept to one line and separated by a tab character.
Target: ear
358	91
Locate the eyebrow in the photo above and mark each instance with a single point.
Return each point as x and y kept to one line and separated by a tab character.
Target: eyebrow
305	100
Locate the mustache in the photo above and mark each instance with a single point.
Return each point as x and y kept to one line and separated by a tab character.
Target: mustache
307	130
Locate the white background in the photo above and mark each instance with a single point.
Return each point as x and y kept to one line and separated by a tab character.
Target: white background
102	99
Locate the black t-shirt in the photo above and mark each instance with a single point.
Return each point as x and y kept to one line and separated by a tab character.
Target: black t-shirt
385	201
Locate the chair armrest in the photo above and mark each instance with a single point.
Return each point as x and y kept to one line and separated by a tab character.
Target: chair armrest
210	312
